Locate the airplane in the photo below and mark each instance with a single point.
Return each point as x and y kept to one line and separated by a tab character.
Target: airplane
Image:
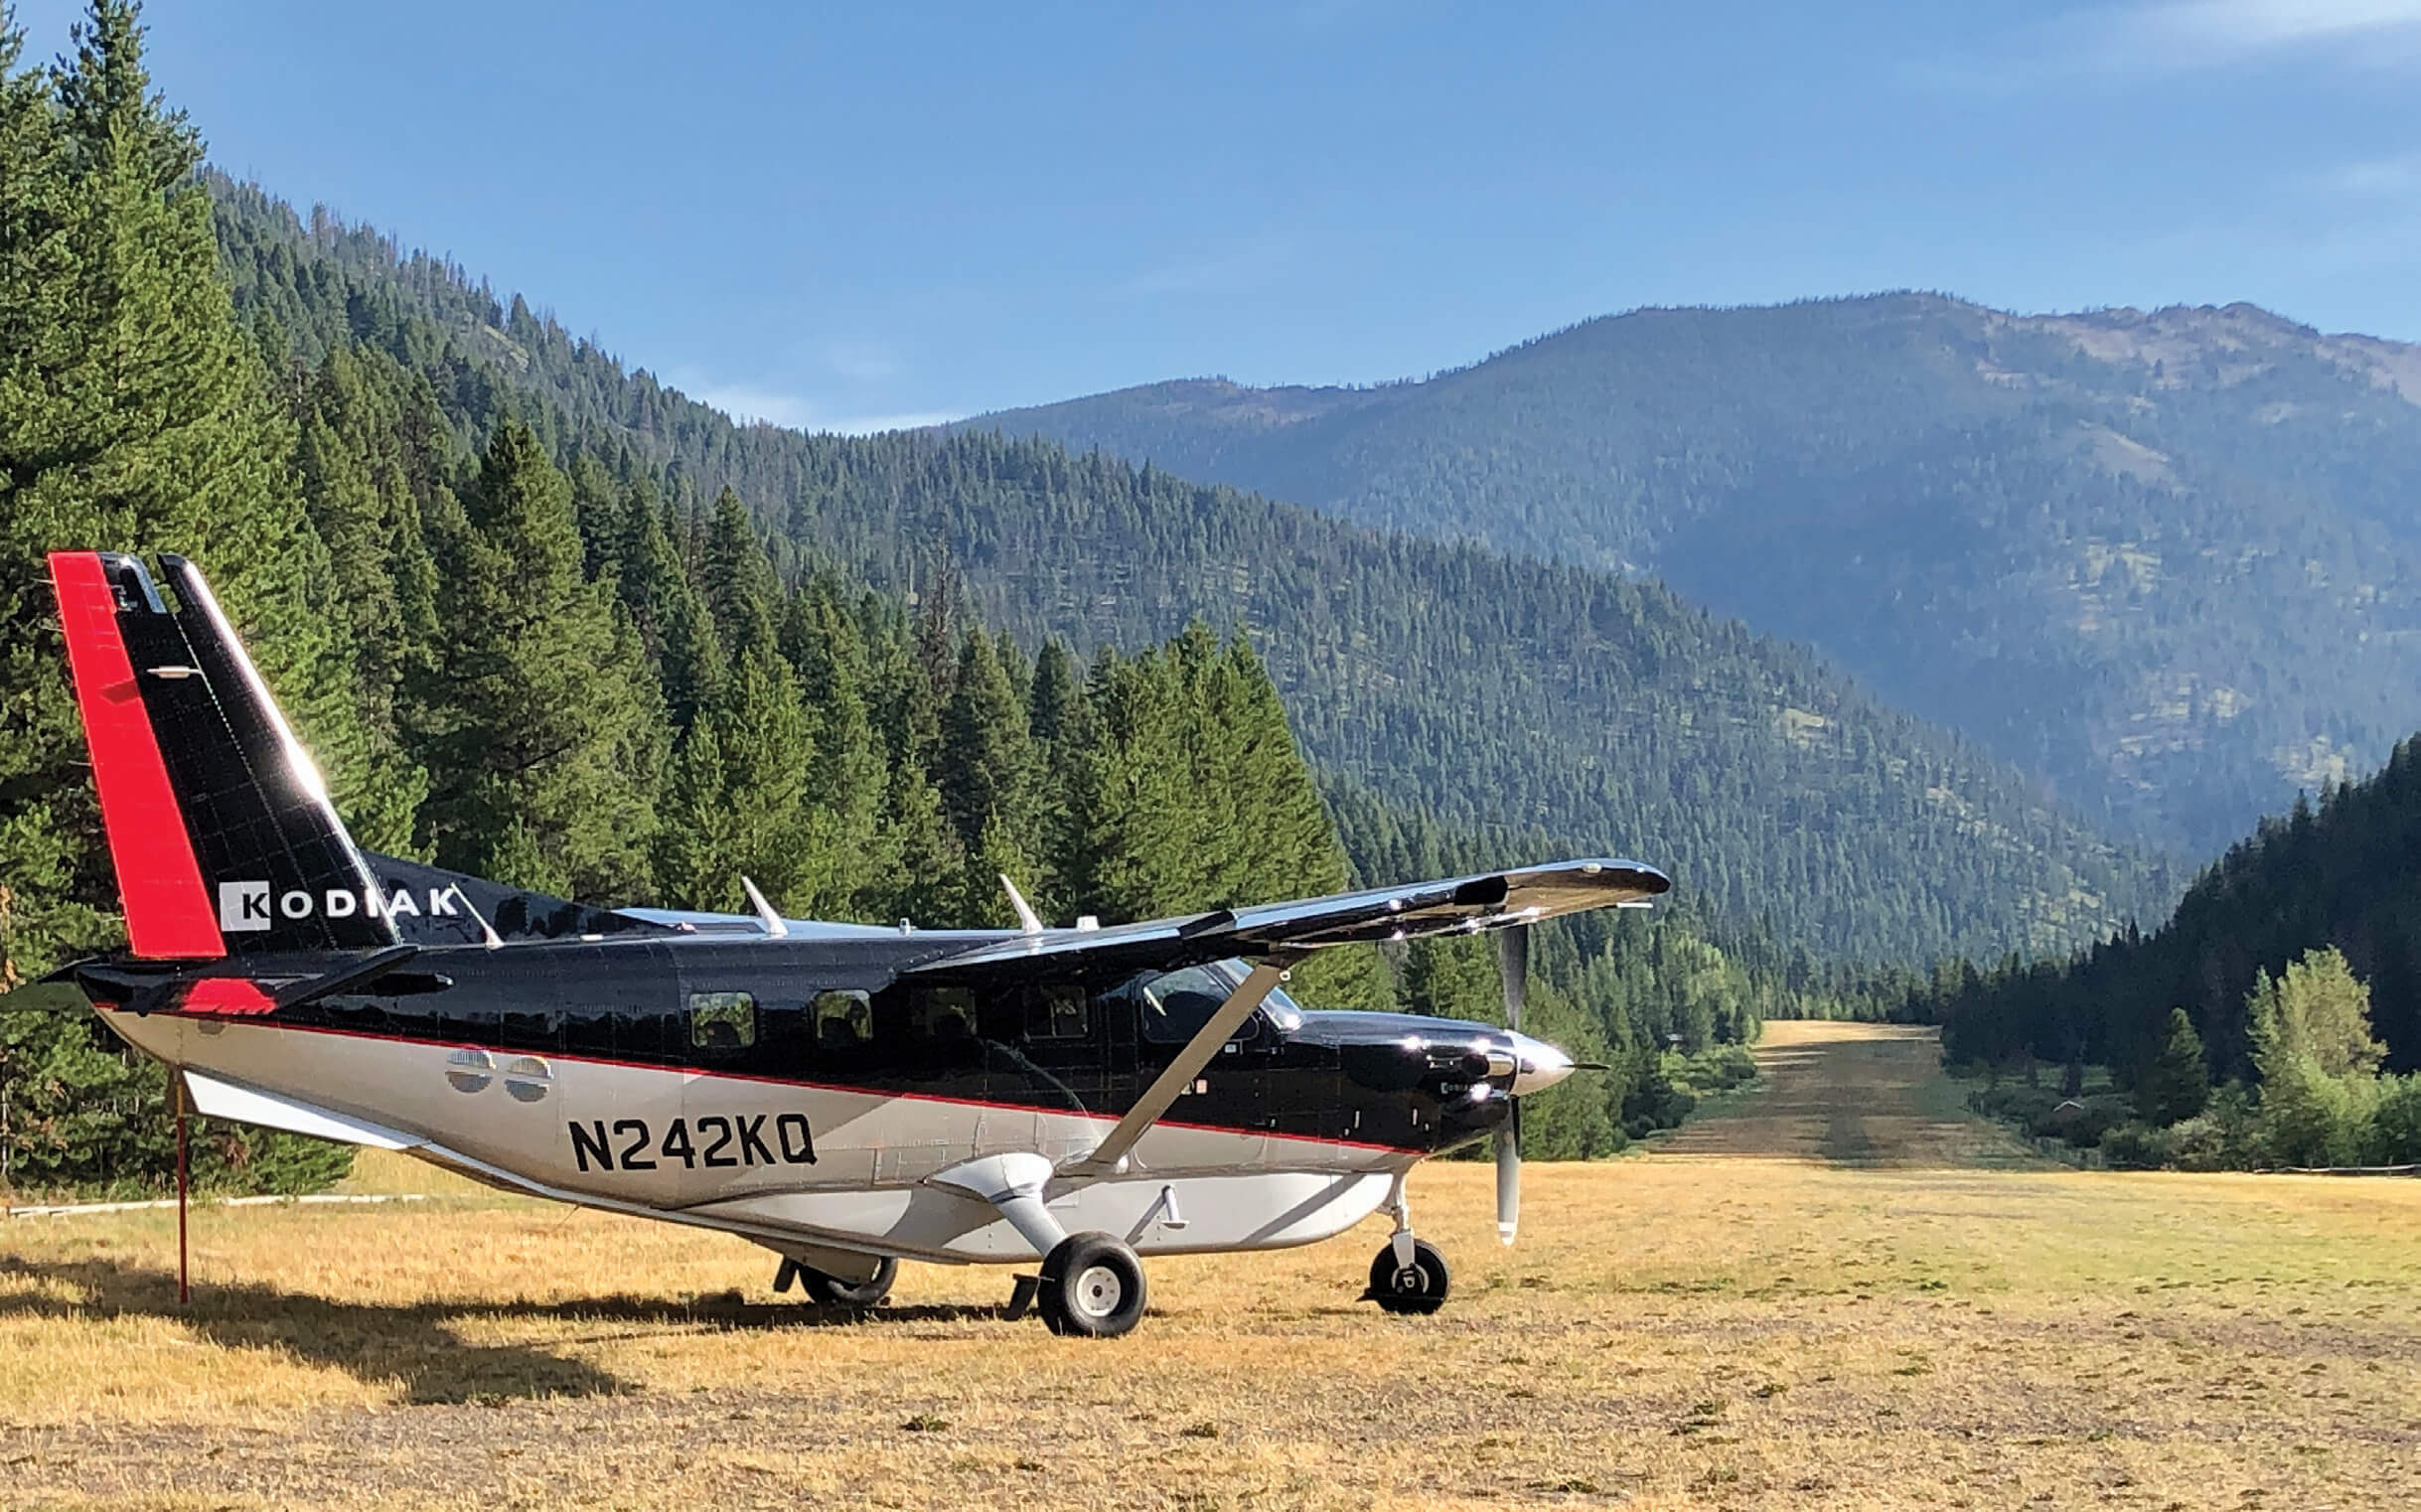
844	1095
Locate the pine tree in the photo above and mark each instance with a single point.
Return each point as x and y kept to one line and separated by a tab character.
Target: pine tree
984	765
740	590
928	885
736	803
363	482
49	830
2178	1082
134	414
850	861
664	608
533	720
1060	727
1138	822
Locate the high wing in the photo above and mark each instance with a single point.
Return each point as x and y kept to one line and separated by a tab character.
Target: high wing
1468	905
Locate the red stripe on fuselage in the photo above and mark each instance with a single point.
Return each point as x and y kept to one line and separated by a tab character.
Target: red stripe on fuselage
168	911
227	995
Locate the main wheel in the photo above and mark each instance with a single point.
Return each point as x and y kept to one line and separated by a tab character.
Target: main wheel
1092	1286
1418	1288
833	1292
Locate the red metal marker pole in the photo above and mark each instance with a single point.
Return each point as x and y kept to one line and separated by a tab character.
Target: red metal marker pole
185	1291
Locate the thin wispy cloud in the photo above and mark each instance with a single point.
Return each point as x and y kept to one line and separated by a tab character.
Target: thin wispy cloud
2394	177
758	406
1245	265
862	362
2186	36
2192	32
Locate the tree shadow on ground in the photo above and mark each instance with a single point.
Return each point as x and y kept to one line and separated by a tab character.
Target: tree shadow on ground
418	1347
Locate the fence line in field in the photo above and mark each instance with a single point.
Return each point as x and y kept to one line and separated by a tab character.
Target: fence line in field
79	1209
2343	1170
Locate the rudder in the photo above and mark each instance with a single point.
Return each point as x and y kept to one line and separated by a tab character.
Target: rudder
218	821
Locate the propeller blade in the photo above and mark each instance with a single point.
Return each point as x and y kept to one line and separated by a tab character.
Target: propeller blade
1509	1176
1513	968
1513	965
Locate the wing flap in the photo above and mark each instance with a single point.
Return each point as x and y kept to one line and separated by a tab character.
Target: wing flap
1468	904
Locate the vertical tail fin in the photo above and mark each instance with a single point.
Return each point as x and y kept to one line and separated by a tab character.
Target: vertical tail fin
219	823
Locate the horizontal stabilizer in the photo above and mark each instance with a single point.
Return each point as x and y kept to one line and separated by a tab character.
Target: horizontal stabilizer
49	995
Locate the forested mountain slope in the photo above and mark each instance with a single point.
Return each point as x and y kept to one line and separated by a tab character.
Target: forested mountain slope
2344	873
1497	694
2170	562
542	665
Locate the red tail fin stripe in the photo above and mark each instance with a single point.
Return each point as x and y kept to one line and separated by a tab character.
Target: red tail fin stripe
168	911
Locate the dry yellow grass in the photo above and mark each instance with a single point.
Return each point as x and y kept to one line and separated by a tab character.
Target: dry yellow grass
1724	1328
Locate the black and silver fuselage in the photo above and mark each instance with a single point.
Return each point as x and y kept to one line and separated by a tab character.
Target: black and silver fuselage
801	1089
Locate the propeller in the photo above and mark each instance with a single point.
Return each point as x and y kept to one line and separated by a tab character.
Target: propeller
1513	965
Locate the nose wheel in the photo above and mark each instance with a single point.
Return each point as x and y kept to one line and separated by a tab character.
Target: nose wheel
1415	1286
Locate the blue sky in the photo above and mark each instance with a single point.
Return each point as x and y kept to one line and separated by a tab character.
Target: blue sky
846	217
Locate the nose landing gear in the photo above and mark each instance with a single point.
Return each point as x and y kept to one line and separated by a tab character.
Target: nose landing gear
1416	1288
1408	1275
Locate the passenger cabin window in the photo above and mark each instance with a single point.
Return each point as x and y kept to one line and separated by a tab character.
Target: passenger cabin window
942	1017
723	1020
843	1021
1057	1011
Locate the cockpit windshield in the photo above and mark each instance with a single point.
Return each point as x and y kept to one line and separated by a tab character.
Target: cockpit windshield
1176	1004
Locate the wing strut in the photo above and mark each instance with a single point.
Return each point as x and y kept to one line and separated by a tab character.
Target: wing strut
1171	1083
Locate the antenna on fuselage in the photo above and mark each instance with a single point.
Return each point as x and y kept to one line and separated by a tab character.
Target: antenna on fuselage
1028	924
772	922
496	942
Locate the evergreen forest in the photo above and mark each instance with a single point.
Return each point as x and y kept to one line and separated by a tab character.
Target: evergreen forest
2165	562
545	619
522	642
2341	875
1502	699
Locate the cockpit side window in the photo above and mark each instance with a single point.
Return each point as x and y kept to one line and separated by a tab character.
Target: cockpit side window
1176	1004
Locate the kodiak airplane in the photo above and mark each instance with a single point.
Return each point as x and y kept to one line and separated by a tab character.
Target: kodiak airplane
844	1095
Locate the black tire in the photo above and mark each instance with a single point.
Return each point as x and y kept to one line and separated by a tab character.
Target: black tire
1092	1286
1419	1288
833	1292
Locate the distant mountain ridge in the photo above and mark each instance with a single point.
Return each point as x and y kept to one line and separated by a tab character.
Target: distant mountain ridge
2170	562
1502	698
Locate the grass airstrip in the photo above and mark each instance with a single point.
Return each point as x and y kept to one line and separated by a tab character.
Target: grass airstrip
1839	1293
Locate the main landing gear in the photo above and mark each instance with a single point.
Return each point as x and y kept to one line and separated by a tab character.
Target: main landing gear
1407	1275
1092	1286
832	1290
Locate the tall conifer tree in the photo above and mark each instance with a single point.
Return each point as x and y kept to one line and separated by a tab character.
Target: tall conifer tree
535	721
986	764
737	802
